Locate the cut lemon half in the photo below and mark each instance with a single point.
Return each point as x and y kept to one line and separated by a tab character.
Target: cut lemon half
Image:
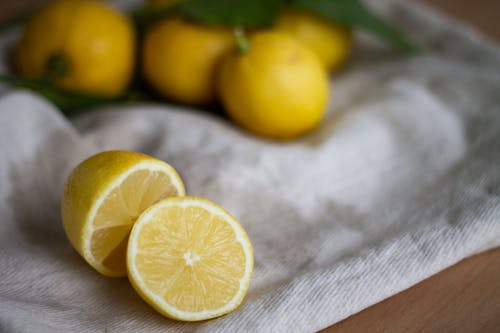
189	259
102	198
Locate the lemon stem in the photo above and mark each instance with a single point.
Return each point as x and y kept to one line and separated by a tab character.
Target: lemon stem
57	65
242	42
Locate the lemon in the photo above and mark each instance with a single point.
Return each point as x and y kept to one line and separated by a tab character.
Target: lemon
81	45
189	259
102	198
330	41
277	89
180	58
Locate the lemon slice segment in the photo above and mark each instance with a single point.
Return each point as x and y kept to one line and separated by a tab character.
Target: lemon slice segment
189	259
102	199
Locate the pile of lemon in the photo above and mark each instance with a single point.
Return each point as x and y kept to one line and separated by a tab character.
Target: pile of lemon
273	82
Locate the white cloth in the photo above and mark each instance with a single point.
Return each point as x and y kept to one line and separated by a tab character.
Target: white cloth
400	181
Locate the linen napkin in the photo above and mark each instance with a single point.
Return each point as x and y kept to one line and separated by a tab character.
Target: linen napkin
400	181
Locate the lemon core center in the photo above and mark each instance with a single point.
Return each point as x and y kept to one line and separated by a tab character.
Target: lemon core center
191	258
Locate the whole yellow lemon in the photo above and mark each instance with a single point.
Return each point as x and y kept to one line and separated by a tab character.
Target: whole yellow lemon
81	45
331	42
277	89
180	59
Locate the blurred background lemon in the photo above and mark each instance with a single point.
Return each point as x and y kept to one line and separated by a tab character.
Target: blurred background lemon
331	42
277	88
85	46
180	59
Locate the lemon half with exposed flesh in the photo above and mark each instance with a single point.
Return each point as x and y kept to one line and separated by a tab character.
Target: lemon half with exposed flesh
189	259
104	195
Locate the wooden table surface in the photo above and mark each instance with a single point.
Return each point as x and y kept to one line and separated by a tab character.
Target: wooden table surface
464	298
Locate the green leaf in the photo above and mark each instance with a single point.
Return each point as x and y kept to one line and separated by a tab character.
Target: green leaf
354	13
243	13
259	13
66	100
